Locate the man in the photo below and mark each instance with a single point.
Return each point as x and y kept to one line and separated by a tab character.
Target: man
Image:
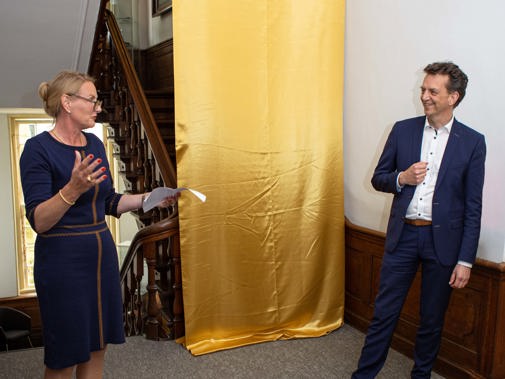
434	166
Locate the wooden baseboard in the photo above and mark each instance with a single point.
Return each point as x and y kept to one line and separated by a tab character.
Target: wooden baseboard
473	343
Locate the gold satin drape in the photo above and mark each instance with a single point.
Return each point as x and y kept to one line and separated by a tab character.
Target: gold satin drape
258	103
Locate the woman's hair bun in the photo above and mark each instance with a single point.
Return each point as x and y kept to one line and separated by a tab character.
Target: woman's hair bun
43	89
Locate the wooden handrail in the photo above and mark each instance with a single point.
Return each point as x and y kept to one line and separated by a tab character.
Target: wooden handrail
152	233
149	123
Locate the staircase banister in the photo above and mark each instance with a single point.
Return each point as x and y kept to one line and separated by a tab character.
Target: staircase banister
153	135
152	233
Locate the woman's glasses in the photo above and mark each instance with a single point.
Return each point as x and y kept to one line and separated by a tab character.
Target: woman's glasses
96	103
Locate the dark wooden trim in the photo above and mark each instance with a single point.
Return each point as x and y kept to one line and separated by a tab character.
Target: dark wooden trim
473	343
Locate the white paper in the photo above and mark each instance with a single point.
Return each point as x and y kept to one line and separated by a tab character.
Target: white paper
161	193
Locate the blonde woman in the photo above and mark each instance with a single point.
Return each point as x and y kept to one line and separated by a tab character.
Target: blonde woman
68	191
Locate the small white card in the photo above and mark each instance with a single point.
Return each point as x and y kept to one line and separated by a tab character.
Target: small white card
161	193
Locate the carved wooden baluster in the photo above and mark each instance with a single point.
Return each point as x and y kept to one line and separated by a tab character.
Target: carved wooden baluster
165	285
139	268
126	121
117	106
133	302
137	152
126	306
161	268
132	290
131	129
121	116
141	183
176	279
153	311
147	165
154	182
139	147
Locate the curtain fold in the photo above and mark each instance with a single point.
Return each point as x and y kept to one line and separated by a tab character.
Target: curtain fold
258	102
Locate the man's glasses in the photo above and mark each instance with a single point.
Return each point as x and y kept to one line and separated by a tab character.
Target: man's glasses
96	103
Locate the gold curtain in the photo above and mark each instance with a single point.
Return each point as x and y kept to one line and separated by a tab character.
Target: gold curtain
258	103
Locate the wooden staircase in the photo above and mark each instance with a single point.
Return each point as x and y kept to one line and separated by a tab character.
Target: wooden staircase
140	123
161	103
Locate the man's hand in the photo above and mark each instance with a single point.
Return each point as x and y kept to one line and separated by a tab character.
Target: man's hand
460	276
414	175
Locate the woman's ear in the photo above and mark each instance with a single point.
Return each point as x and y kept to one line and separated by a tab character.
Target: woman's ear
66	104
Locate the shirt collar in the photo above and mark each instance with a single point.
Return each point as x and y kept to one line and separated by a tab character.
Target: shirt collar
447	127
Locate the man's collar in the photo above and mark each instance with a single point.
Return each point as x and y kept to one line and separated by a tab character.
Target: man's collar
447	126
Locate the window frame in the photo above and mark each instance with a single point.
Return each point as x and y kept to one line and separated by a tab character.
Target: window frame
23	284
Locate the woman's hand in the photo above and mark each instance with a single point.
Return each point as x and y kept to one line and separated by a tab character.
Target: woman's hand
135	202
169	200
86	173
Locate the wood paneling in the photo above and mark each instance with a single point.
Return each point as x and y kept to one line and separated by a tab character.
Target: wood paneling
473	343
158	66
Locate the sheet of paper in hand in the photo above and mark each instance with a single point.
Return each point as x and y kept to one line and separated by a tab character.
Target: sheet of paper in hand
159	194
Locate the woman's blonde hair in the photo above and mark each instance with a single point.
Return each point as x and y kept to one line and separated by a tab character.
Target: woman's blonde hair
65	82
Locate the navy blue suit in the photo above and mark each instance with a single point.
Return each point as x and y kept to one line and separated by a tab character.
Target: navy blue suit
452	237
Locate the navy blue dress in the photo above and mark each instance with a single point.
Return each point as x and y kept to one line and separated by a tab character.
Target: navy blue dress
76	266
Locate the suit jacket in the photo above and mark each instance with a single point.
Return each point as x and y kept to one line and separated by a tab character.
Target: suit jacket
457	199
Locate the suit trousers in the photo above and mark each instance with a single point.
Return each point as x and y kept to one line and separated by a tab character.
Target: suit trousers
399	268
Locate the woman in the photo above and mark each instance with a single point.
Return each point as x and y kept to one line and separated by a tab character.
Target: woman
68	191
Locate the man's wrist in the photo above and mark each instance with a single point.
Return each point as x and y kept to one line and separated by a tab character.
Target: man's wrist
466	264
399	186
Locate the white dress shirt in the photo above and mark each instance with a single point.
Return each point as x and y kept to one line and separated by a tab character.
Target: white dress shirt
432	151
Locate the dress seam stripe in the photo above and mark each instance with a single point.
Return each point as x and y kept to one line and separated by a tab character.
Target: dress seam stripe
99	290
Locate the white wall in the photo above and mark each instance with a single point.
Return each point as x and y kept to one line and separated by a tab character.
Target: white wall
388	43
39	39
160	27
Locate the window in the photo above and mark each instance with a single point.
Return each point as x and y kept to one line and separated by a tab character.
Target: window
21	129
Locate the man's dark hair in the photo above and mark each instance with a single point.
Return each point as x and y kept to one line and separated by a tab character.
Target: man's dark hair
457	78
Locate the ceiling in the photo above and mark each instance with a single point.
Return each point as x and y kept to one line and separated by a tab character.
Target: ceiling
37	40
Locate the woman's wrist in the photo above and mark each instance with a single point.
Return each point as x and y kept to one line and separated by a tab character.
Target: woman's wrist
142	198
65	199
68	195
